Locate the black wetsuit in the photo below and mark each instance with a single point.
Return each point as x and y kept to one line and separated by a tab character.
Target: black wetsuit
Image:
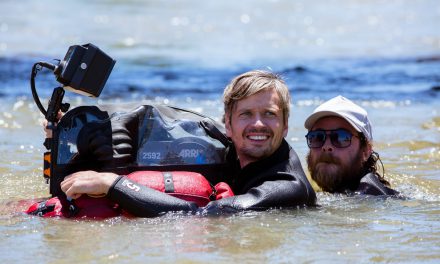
276	181
371	185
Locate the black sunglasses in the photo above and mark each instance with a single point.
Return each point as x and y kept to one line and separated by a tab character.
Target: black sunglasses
339	138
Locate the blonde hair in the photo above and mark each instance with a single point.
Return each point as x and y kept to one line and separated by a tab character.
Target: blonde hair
252	82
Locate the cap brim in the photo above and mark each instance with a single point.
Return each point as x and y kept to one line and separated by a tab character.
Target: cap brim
311	120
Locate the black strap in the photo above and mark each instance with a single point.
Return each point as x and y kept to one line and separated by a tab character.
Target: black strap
214	132
73	209
43	209
168	181
213	195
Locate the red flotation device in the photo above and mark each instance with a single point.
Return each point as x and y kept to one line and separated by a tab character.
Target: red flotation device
189	186
85	207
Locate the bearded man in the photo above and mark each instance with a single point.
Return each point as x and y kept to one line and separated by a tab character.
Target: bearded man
341	158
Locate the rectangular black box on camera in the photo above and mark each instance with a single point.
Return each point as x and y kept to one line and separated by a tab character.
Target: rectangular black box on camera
85	69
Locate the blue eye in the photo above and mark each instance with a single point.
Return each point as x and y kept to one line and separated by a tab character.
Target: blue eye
245	114
270	113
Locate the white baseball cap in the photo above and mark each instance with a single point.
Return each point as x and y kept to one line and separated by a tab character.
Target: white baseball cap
343	107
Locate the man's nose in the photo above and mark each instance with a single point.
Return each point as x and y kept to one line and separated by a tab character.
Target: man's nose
328	146
258	121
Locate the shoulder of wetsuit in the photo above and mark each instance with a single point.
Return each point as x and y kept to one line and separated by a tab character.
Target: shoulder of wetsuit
371	185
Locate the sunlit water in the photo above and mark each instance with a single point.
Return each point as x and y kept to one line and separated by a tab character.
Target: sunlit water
385	55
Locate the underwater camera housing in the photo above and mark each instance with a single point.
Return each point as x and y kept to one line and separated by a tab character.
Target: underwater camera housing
84	70
118	140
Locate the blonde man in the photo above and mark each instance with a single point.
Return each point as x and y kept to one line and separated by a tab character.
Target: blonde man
264	171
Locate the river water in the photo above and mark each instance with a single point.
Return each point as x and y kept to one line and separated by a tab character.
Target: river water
385	55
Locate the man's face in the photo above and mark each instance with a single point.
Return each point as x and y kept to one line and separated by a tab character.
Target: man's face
333	167
256	126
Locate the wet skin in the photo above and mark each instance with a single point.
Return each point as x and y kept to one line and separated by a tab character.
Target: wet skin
256	126
331	166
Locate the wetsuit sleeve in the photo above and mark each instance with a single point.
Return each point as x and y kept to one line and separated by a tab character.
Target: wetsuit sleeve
280	186
270	194
142	201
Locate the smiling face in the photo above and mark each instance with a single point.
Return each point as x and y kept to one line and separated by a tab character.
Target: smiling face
256	126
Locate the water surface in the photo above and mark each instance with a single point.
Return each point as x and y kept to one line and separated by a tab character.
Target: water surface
384	55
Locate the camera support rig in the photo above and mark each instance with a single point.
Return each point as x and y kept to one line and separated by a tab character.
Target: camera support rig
84	70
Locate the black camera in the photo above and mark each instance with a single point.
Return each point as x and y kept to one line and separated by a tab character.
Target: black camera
84	70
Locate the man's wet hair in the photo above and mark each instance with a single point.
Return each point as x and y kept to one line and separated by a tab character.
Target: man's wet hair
373	163
253	82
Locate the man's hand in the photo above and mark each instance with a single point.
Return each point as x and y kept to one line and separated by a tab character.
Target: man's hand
87	182
48	131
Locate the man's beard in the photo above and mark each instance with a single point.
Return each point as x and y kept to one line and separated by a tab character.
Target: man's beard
332	175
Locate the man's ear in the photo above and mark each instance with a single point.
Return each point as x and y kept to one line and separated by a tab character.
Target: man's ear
286	128
367	151
228	126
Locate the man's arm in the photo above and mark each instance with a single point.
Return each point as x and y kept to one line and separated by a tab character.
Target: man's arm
143	201
270	194
136	199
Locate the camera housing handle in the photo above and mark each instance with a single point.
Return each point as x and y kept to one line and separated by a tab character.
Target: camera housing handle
55	105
